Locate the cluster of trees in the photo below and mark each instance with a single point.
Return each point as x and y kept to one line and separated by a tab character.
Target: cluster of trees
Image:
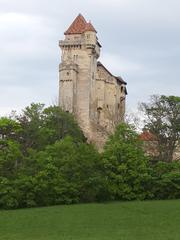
162	120
45	160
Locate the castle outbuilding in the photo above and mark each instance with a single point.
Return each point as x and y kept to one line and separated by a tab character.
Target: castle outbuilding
86	88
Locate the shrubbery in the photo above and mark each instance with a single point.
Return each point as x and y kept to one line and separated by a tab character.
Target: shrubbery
45	160
126	166
165	180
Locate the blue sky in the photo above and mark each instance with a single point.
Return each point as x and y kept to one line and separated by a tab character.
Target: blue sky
140	41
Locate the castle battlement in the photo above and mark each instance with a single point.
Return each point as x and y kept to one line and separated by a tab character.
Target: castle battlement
86	88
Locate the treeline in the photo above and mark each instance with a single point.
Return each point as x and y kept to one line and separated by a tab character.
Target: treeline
45	160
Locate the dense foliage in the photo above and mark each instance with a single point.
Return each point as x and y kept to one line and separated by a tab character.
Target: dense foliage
126	165
165	180
45	160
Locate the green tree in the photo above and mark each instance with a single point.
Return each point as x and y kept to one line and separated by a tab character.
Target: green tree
31	121
44	126
58	124
126	166
9	128
8	194
64	172
10	158
165	180
77	164
163	121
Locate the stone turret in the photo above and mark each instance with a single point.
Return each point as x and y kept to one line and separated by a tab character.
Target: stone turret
86	87
80	51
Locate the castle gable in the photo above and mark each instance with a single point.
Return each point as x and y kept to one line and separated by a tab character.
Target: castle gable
103	71
101	66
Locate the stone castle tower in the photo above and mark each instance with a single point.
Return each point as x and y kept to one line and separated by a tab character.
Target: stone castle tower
86	88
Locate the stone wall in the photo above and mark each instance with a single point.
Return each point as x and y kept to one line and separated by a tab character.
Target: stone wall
88	89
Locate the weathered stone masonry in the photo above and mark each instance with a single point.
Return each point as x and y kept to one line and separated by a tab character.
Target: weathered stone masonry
86	88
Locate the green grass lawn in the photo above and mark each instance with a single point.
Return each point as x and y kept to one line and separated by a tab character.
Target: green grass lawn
153	220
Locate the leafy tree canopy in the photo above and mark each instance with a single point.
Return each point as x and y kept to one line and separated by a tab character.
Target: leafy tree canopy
163	121
125	164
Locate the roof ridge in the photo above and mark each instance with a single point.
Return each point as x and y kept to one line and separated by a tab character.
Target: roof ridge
118	78
77	26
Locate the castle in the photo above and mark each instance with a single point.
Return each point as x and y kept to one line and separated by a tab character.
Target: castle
86	88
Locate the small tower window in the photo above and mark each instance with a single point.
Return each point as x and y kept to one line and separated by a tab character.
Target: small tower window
122	89
75	57
67	73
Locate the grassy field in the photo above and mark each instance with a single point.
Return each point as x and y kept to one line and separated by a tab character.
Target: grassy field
152	220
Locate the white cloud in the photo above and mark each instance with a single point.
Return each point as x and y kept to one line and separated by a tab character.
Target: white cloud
119	65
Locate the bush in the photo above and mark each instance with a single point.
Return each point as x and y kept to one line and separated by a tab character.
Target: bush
8	194
77	166
64	173
44	160
126	166
165	180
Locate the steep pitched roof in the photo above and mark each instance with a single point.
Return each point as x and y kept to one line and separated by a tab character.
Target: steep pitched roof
101	65
79	26
117	78
90	27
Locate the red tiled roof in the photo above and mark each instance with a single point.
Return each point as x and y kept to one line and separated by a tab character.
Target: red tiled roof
89	27
79	26
147	136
